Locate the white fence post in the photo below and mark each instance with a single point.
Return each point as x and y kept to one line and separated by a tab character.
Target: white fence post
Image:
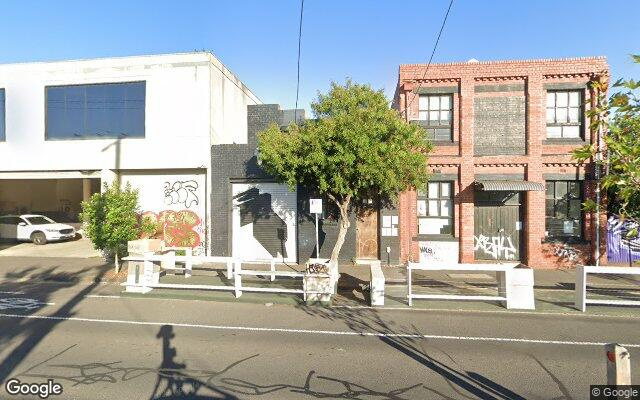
230	268
237	277
409	283
618	365
188	264
581	288
273	269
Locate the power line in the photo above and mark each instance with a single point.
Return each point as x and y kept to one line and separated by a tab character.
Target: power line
295	112
435	46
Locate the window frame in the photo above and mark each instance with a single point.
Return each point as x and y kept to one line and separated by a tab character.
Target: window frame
426	123
3	110
568	199
425	197
568	107
47	136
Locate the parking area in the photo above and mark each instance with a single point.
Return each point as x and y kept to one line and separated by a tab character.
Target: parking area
79	248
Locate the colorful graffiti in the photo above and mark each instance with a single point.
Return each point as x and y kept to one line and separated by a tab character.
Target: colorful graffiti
496	246
181	192
177	228
620	248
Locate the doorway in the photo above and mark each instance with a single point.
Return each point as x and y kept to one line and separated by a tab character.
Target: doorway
498	225
367	231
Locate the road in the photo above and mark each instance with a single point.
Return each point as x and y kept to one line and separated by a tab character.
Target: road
100	345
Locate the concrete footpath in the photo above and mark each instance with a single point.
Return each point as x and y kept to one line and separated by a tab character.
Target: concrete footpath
554	289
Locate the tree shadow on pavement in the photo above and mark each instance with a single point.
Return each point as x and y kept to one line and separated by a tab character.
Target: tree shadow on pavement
410	342
26	294
173	382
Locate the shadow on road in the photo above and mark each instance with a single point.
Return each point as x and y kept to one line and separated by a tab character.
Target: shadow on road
409	341
25	293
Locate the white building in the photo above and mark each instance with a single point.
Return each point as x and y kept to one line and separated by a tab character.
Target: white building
67	127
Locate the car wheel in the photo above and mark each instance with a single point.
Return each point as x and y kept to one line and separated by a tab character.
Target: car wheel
38	238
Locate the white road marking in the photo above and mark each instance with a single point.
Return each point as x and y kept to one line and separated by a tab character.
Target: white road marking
317	331
503	312
5	292
103	296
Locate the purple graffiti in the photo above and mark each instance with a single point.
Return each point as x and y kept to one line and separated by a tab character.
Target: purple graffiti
619	247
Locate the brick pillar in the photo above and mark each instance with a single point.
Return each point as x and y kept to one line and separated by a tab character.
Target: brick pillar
534	218
466	174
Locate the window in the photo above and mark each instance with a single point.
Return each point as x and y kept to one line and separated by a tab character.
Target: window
564	209
564	114
112	110
436	112
2	124
435	209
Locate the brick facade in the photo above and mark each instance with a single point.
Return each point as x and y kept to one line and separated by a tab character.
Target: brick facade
499	129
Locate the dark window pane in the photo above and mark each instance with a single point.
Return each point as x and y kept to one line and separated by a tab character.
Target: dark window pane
443	134
96	111
575	209
549	208
2	124
74	113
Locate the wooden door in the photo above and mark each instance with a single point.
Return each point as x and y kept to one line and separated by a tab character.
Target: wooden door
367	233
497	226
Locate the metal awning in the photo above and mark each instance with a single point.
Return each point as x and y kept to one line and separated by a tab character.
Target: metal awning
510	186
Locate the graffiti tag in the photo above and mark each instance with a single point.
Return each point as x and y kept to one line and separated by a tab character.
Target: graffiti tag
181	192
496	246
568	252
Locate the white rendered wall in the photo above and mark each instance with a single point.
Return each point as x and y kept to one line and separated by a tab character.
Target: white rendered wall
189	103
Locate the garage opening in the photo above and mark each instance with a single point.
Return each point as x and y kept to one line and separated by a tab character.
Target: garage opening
58	199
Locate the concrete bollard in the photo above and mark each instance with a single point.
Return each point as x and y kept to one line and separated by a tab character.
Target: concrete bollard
618	365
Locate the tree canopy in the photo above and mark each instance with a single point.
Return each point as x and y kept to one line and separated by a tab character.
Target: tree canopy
356	148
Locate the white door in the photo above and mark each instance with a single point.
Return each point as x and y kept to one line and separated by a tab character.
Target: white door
264	222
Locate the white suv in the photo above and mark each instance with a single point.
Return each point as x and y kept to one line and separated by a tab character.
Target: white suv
36	228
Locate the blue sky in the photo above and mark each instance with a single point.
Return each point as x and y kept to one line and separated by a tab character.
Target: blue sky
364	40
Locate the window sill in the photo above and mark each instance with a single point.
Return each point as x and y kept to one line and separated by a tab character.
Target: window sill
556	141
565	240
444	143
436	238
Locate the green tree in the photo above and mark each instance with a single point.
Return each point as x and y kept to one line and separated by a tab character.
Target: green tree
112	219
356	148
619	117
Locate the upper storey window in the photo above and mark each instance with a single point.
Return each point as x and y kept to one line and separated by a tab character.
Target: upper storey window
2	130
564	114
436	112
96	111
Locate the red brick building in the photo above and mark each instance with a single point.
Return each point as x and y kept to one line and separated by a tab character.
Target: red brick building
503	185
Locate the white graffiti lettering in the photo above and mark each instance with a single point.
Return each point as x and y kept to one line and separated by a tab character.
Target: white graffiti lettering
567	252
496	246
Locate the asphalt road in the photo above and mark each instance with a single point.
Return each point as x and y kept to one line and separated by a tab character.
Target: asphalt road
135	348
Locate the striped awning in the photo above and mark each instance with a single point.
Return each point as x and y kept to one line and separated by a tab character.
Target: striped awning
509	186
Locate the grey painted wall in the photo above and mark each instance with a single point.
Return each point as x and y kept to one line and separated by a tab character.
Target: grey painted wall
499	125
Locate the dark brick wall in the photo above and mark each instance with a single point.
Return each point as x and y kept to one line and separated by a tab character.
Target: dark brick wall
499	125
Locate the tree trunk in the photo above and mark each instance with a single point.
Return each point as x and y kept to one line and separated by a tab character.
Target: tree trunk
117	262
342	233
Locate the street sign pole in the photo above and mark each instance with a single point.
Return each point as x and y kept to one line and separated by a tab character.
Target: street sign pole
315	207
317	245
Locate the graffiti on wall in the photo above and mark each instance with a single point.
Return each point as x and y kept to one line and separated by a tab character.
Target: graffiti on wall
498	247
619	247
178	228
567	252
181	192
439	251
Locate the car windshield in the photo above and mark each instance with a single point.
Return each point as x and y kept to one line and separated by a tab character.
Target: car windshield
39	220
